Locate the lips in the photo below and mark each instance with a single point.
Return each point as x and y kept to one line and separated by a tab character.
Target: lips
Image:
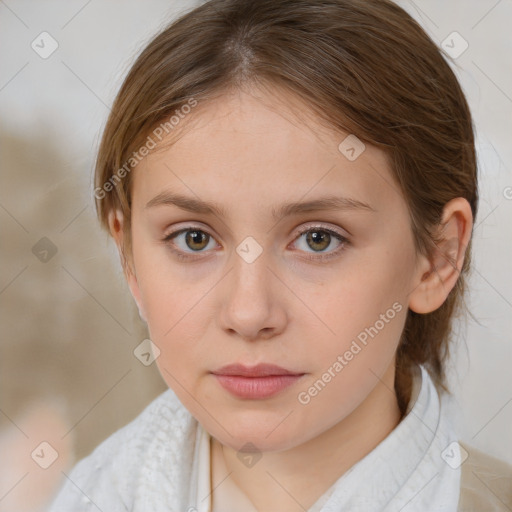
255	382
260	370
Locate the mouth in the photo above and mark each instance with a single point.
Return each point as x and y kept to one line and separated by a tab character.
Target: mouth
256	382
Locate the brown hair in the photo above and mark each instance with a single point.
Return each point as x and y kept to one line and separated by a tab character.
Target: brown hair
363	66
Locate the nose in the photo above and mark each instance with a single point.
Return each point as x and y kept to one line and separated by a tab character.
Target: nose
253	305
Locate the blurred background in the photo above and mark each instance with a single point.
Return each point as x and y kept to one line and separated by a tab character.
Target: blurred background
68	376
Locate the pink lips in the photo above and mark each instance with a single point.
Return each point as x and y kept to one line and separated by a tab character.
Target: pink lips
256	382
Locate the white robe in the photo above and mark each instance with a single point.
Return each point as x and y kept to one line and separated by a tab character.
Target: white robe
160	462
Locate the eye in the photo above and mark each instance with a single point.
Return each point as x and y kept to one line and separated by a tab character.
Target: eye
188	241
185	242
319	238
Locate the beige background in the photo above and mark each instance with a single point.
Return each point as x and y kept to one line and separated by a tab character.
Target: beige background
68	373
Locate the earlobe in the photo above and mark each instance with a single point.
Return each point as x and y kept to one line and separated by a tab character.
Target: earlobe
437	275
115	223
116	226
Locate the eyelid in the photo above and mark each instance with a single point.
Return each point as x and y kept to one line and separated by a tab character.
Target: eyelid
191	226
320	226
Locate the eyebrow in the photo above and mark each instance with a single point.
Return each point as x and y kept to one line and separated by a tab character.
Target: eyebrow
194	205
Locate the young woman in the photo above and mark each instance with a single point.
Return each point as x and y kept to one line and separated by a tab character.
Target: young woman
292	187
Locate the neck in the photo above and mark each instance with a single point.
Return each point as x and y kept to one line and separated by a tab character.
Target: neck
294	479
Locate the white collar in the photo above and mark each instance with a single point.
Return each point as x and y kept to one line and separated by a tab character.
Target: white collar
405	472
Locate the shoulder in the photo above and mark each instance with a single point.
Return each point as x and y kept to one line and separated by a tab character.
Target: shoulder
486	483
108	477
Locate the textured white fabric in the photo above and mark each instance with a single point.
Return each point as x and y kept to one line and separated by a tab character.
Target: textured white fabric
161	462
143	467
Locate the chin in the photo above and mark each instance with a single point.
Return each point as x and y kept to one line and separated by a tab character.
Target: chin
257	441
266	431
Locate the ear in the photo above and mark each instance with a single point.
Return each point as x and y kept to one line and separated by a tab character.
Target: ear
115	223
438	274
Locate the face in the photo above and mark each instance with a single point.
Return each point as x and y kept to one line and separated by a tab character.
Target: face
237	261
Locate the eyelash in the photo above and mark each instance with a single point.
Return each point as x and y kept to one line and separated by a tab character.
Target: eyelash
316	257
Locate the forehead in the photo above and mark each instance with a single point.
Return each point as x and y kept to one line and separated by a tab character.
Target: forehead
263	146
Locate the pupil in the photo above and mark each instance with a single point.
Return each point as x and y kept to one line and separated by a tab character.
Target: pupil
195	237
319	237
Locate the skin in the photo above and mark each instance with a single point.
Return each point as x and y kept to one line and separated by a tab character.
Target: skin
249	153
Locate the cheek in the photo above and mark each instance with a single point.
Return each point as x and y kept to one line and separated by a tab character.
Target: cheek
347	365
363	310
175	312
167	291
172	306
355	299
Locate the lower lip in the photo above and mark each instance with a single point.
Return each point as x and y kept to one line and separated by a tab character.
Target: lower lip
256	388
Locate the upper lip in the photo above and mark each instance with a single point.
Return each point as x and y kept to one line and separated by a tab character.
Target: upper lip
260	370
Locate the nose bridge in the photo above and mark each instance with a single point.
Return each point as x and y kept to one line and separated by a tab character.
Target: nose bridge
250	306
250	272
